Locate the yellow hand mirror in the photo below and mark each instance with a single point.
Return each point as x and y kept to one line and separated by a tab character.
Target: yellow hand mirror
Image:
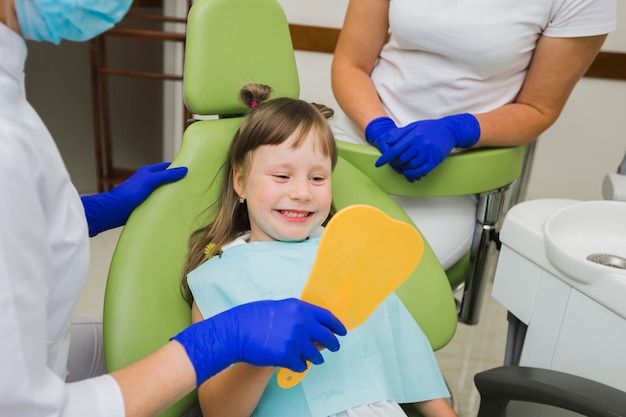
363	256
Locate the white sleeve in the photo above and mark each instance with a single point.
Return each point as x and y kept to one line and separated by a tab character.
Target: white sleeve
100	396
575	18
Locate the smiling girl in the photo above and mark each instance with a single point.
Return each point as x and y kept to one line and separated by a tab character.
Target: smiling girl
276	196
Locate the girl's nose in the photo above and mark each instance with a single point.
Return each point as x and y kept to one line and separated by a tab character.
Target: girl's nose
300	191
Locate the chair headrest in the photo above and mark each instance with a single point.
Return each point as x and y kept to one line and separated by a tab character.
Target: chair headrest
231	43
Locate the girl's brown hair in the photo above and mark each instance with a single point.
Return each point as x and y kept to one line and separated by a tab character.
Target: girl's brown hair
269	122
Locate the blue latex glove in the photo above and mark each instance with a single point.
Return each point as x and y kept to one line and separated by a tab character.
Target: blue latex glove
420	146
263	333
108	210
379	133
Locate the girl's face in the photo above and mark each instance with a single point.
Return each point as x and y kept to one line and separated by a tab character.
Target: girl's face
287	191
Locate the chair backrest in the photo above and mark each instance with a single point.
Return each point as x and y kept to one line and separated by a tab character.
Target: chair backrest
233	43
143	303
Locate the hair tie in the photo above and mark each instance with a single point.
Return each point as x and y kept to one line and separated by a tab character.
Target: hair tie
253	105
208	249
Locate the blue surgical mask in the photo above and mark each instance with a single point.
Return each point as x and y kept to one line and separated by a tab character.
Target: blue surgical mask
73	20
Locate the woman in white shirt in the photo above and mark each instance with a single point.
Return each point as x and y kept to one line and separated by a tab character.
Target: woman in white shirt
419	78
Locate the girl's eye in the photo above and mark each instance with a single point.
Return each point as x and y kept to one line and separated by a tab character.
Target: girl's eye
317	179
281	177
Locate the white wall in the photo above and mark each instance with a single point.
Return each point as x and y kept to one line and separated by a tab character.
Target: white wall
314	68
587	142
572	157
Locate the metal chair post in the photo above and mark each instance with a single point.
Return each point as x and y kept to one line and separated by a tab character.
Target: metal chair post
483	255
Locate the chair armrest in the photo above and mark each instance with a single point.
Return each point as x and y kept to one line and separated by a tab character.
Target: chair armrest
467	172
498	386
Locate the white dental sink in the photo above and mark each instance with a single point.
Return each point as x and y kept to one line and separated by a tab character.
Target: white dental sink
587	240
562	273
558	236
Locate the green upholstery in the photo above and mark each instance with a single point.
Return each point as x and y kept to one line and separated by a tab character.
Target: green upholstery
467	172
224	54
143	304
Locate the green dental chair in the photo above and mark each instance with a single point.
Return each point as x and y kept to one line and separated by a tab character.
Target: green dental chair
143	304
229	43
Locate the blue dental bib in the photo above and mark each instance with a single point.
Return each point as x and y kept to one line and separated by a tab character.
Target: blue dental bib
387	358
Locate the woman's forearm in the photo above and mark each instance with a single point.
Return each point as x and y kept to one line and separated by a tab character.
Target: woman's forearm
356	95
364	32
157	381
511	125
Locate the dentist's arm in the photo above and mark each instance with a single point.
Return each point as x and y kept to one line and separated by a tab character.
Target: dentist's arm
264	333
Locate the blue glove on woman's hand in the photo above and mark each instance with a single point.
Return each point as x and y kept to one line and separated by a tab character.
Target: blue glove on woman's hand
379	133
105	211
420	146
263	333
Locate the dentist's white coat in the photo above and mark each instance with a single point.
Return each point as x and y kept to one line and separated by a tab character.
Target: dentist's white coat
44	257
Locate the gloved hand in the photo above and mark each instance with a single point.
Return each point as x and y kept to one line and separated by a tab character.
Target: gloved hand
263	333
420	146
379	133
105	211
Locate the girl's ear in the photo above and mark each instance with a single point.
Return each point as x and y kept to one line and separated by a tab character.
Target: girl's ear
238	181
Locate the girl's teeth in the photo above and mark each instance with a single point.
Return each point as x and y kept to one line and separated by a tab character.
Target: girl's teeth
295	214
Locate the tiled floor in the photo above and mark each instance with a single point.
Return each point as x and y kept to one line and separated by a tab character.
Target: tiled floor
473	349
